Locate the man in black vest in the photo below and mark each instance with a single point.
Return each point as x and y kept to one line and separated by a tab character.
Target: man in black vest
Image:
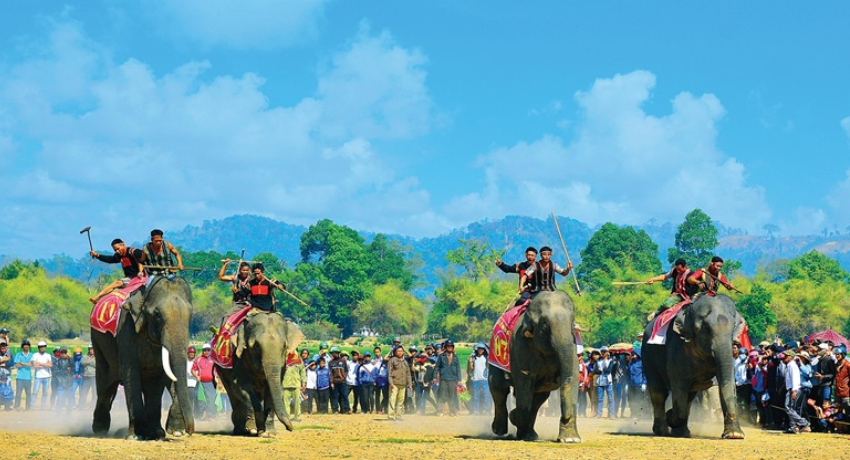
542	274
158	253
520	268
130	260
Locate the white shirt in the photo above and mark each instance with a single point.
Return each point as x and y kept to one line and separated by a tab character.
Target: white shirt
479	368
351	379
191	381
741	372
792	376
42	359
311	379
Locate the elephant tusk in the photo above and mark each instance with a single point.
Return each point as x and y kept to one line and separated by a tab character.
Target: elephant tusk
166	365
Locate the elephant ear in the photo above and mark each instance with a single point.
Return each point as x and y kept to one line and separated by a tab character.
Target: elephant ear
240	340
294	337
692	323
135	306
740	325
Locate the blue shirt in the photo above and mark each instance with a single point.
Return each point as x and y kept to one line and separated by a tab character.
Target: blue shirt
24	373
323	378
805	376
6	391
366	376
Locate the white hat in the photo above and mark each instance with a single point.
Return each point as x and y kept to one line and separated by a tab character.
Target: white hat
42	343
824	346
206	347
579	349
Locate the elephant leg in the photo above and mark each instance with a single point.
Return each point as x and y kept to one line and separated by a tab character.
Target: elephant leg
731	427
658	396
175	423
521	416
238	401
567	428
152	423
106	381
500	389
537	401
268	415
258	417
678	416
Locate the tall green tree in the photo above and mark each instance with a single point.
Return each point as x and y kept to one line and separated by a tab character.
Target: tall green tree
475	257
817	268
755	308
612	251
696	239
391	310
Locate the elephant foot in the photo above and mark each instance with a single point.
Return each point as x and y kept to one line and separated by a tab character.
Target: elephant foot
158	434
268	434
569	440
529	436
177	433
568	435
681	432
733	432
660	428
100	429
252	431
500	426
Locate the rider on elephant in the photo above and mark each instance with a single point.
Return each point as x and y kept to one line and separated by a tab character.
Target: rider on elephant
681	290
239	285
129	258
158	253
708	279
262	296
545	269
520	268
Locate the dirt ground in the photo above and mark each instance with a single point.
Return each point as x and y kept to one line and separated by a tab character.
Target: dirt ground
52	435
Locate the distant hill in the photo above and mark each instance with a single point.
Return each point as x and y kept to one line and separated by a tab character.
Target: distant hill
513	233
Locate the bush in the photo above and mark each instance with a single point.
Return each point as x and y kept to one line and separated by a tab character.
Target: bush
320	330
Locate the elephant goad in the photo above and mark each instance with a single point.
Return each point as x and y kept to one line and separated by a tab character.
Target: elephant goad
685	368
254	386
543	359
147	354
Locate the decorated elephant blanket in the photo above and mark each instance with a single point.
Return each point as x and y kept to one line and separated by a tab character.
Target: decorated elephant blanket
222	344
107	311
662	323
500	341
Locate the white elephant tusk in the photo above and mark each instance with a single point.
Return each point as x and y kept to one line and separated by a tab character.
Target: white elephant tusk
166	365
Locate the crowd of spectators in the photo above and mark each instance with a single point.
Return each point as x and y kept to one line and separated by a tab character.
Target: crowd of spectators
40	380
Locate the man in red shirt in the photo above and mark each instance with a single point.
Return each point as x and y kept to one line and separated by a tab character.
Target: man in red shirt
708	279
842	379
203	370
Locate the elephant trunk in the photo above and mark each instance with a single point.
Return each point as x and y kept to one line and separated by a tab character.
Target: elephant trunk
722	354
273	379
175	365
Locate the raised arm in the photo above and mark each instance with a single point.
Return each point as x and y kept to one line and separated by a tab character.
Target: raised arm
222	276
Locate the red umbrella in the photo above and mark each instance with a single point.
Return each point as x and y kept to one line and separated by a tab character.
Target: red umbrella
829	335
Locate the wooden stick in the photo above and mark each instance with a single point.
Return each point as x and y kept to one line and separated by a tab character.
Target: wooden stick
167	267
564	245
627	283
705	270
294	297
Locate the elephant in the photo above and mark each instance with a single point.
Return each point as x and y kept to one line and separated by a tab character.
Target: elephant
686	367
147	355
543	358
263	341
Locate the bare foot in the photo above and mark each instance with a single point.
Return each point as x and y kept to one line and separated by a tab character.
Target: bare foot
93	300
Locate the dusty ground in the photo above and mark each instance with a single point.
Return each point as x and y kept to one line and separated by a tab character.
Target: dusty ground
51	435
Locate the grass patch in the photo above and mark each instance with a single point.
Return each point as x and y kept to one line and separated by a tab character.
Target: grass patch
312	427
404	441
33	454
266	441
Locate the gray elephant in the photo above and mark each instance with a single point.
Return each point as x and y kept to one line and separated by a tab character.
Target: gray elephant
263	341
685	368
543	359
146	356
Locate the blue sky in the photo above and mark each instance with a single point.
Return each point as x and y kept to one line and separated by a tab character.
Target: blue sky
416	118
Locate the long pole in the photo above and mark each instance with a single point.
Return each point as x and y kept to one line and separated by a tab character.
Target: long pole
564	245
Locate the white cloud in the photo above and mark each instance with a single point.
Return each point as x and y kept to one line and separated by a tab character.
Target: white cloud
624	165
134	150
263	24
845	123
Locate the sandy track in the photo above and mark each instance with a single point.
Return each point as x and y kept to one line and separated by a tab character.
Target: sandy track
51	435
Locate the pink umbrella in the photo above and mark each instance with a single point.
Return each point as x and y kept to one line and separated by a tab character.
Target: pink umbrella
829	335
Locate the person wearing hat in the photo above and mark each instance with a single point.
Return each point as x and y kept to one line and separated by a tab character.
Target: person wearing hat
23	378
202	369
637	385
294	386
604	370
366	374
89	373
477	370
63	378
520	268
4	336
824	372
743	384
545	271
797	423
400	383
42	362
339	372
447	373
6	361
77	376
842	381
804	361
312	391
323	353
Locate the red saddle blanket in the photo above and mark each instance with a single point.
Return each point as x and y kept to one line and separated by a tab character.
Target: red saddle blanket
107	311
500	341
222	344
662	323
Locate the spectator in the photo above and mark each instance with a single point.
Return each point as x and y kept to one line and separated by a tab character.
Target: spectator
842	382
409	405
592	393
792	385
637	385
203	370
399	382
759	383
339	371
63	376
54	383
447	373
352	383
42	362
604	383
423	374
825	416
23	378
620	377
743	384
803	361
77	374
366	374
312	390
323	353
825	374
323	386
89	373
305	358
382	385
4	336
6	361
478	370
7	395
435	386
294	386
191	381
581	405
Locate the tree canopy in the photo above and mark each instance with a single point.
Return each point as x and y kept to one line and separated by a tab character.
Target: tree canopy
695	240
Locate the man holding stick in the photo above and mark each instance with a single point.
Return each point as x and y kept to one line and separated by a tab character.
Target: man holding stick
158	254
520	269
708	279
545	273
130	260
